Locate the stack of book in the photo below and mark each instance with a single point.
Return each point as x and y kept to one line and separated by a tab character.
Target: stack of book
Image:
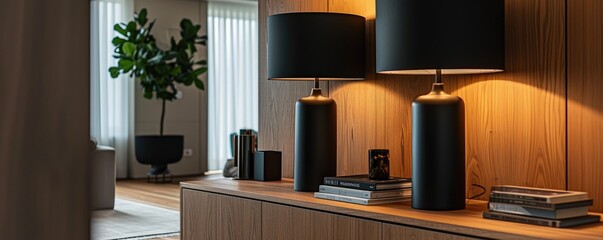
360	189
538	206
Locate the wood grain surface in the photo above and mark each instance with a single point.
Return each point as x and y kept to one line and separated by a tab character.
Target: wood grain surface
211	216
515	120
160	195
285	222
376	112
277	98
467	222
393	232
585	101
44	119
349	228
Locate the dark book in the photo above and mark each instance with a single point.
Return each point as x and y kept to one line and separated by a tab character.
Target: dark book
542	205
537	212
558	223
363	182
366	194
537	194
362	201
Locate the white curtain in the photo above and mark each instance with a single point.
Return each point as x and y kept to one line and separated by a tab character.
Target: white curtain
111	100
232	75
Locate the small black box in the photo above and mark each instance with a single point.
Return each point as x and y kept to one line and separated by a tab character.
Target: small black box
267	166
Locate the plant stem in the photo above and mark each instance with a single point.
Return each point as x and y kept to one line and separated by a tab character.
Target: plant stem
162	117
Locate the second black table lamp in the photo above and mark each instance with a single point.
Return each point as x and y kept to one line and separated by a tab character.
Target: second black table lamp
315	46
438	37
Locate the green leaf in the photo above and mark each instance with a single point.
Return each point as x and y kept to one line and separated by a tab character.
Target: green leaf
128	48
118	41
188	29
175	71
186	24
150	27
125	64
199	71
201	62
148	94
131	27
199	84
114	72
142	17
119	29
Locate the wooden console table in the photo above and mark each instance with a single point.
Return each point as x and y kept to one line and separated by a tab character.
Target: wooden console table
229	209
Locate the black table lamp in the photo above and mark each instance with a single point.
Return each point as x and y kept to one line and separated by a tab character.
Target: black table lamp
439	37
313	47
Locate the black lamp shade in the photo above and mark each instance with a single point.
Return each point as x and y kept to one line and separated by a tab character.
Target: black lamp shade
459	37
305	46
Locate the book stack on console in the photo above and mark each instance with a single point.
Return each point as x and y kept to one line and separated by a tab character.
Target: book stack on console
538	206
360	189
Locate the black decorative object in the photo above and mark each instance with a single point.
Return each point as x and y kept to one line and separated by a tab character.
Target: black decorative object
313	46
439	37
267	166
245	148
378	164
159	151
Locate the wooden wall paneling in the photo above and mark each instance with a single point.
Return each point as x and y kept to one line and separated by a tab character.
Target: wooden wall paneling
374	113
359	103
212	216
277	98
515	120
585	101
392	232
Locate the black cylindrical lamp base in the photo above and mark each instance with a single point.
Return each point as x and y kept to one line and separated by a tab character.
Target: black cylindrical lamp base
315	141
438	151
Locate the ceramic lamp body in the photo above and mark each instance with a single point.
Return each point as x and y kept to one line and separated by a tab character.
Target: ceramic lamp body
438	151
315	141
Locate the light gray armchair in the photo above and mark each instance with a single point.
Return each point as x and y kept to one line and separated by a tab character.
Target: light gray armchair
102	177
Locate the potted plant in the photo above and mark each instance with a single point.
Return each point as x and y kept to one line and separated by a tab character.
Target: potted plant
159	72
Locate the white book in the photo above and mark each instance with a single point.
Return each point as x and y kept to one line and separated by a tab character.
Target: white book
537	194
364	193
362	201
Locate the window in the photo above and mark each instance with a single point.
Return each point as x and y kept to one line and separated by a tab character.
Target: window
111	100
232	75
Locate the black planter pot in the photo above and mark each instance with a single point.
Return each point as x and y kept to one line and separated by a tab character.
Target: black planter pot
159	151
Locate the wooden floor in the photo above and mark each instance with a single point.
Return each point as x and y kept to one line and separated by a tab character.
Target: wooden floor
166	195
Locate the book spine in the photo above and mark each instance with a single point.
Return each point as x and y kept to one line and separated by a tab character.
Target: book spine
348	184
345	192
548	206
519	219
341	198
363	193
520	197
516	209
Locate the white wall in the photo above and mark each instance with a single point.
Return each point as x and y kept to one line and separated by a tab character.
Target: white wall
186	116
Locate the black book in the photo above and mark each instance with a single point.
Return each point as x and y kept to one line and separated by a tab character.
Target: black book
538	212
558	223
363	182
542	205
